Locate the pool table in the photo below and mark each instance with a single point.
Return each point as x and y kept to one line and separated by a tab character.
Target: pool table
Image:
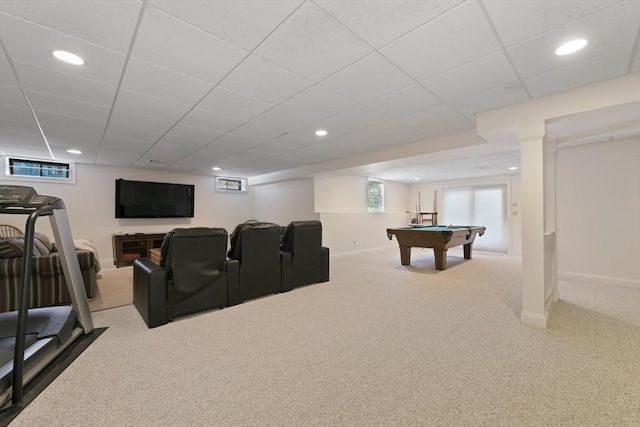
438	237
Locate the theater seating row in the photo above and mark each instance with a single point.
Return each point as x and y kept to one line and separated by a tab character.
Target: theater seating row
196	272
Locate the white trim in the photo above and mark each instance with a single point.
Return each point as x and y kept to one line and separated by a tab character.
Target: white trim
534	319
605	280
5	171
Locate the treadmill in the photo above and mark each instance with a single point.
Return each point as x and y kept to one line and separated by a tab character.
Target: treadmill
30	339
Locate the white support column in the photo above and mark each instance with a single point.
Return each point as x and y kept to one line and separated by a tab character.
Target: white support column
534	310
550	230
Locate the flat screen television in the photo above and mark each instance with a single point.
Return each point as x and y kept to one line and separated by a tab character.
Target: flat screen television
142	199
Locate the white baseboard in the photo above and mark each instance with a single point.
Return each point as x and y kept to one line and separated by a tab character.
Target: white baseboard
605	280
534	319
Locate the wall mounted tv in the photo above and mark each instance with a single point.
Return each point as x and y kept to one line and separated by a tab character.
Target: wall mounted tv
142	199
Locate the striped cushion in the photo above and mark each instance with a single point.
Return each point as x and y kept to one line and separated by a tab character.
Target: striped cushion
12	247
48	285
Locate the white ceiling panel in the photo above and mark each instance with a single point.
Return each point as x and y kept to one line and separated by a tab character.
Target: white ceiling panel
244	23
108	23
475	77
490	99
438	120
423	54
314	104
519	20
35	44
64	85
380	22
254	79
312	44
614	28
589	71
163	83
12	95
126	125
43	102
258	78
367	79
185	48
208	120
410	99
227	103
147	105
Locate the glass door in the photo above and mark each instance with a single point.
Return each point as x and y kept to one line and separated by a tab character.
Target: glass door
484	205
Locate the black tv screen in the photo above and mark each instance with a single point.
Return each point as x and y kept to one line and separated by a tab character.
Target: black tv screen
142	199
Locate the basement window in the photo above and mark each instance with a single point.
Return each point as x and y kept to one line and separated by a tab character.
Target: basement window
231	185
375	195
26	169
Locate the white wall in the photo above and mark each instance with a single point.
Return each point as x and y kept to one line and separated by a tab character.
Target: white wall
285	201
91	206
427	189
598	211
346	224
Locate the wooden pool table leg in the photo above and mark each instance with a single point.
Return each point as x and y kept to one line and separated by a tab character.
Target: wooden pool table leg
441	258
467	251
405	255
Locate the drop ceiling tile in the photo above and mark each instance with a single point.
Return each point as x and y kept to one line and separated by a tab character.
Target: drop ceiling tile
168	151
238	143
208	120
244	23
35	44
84	20
390	133
112	155
6	73
126	125
270	124
17	128
231	104
313	104
367	79
153	80
45	103
258	78
489	100
438	120
520	20
381	22
611	29
290	141
580	74
64	85
341	123
184	48
151	106
472	78
12	95
455	38
405	101
194	135
312	44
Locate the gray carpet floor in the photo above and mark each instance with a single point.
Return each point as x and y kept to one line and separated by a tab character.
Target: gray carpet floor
378	345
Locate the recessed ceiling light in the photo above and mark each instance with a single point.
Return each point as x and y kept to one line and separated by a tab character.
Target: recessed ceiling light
321	132
68	57
215	168
416	179
570	47
513	168
72	151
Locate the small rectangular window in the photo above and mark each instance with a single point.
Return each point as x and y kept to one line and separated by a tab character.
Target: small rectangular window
26	169
375	196
231	185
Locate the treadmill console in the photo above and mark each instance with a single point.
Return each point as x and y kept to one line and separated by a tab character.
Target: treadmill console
18	199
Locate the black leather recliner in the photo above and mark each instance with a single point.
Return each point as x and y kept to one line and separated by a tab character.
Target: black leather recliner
309	259
194	275
263	269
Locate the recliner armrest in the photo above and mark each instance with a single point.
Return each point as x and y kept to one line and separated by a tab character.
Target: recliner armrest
150	292
324	252
286	272
234	293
